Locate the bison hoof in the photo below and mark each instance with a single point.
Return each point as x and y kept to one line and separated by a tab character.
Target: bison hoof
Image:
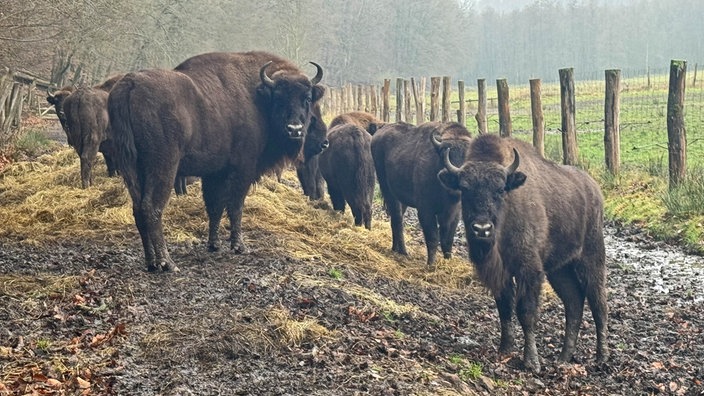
447	255
532	364
239	248
163	266
213	248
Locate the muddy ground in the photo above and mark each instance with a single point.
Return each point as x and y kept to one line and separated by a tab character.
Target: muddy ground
222	326
84	317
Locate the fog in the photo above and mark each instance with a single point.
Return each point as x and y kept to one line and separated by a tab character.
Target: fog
356	41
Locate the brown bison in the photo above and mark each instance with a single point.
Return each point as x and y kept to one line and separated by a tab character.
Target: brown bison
84	117
528	218
308	170
226	117
407	160
348	170
361	119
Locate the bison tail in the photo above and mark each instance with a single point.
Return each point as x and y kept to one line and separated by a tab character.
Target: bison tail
122	134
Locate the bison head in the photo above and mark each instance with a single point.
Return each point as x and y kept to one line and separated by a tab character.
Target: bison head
484	186
289	98
57	99
316	139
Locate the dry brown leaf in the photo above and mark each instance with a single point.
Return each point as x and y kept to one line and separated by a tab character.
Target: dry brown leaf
658	366
54	383
82	384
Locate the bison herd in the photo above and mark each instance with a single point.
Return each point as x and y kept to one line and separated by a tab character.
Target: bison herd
230	118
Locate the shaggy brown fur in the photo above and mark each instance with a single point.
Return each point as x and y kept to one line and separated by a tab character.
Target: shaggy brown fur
407	163
226	117
348	170
361	119
539	219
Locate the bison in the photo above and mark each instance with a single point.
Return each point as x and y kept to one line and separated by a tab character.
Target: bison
407	160
84	117
348	170
308	171
527	218
226	117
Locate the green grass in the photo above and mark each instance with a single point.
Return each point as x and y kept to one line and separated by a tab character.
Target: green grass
32	143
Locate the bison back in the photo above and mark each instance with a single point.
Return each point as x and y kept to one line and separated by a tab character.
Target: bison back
347	163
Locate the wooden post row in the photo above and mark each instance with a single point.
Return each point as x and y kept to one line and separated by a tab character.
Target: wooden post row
612	110
505	127
536	106
676	133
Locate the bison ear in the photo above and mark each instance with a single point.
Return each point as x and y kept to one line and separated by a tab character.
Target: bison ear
449	180
263	94
372	128
515	180
318	92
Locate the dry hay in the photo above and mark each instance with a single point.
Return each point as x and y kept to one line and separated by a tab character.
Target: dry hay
42	201
252	331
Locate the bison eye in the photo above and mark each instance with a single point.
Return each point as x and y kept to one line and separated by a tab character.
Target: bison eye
500	191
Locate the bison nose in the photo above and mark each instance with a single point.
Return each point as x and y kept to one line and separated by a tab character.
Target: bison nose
325	144
482	230
295	130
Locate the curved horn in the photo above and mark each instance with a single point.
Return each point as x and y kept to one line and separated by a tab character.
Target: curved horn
436	142
448	164
266	79
512	168
318	75
49	91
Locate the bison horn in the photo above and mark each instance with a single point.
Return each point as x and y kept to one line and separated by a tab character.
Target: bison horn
512	168
266	79
436	142
448	164
318	75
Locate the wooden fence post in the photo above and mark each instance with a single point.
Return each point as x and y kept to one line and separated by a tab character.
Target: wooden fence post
536	107
694	80
408	110
373	107
505	127
569	127
676	133
446	93
367	99
385	100
399	99
351	104
434	98
462	112
612	111
481	107
360	98
419	98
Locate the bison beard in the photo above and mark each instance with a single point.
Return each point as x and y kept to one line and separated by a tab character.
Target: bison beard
544	220
226	117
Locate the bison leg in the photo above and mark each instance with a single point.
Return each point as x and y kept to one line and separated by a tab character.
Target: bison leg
565	283
505	302
529	282
234	212
336	197
448	227
429	225
142	227
156	195
110	163
215	198
87	160
395	211
596	296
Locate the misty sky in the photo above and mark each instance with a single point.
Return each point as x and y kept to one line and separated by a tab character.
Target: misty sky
510	5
